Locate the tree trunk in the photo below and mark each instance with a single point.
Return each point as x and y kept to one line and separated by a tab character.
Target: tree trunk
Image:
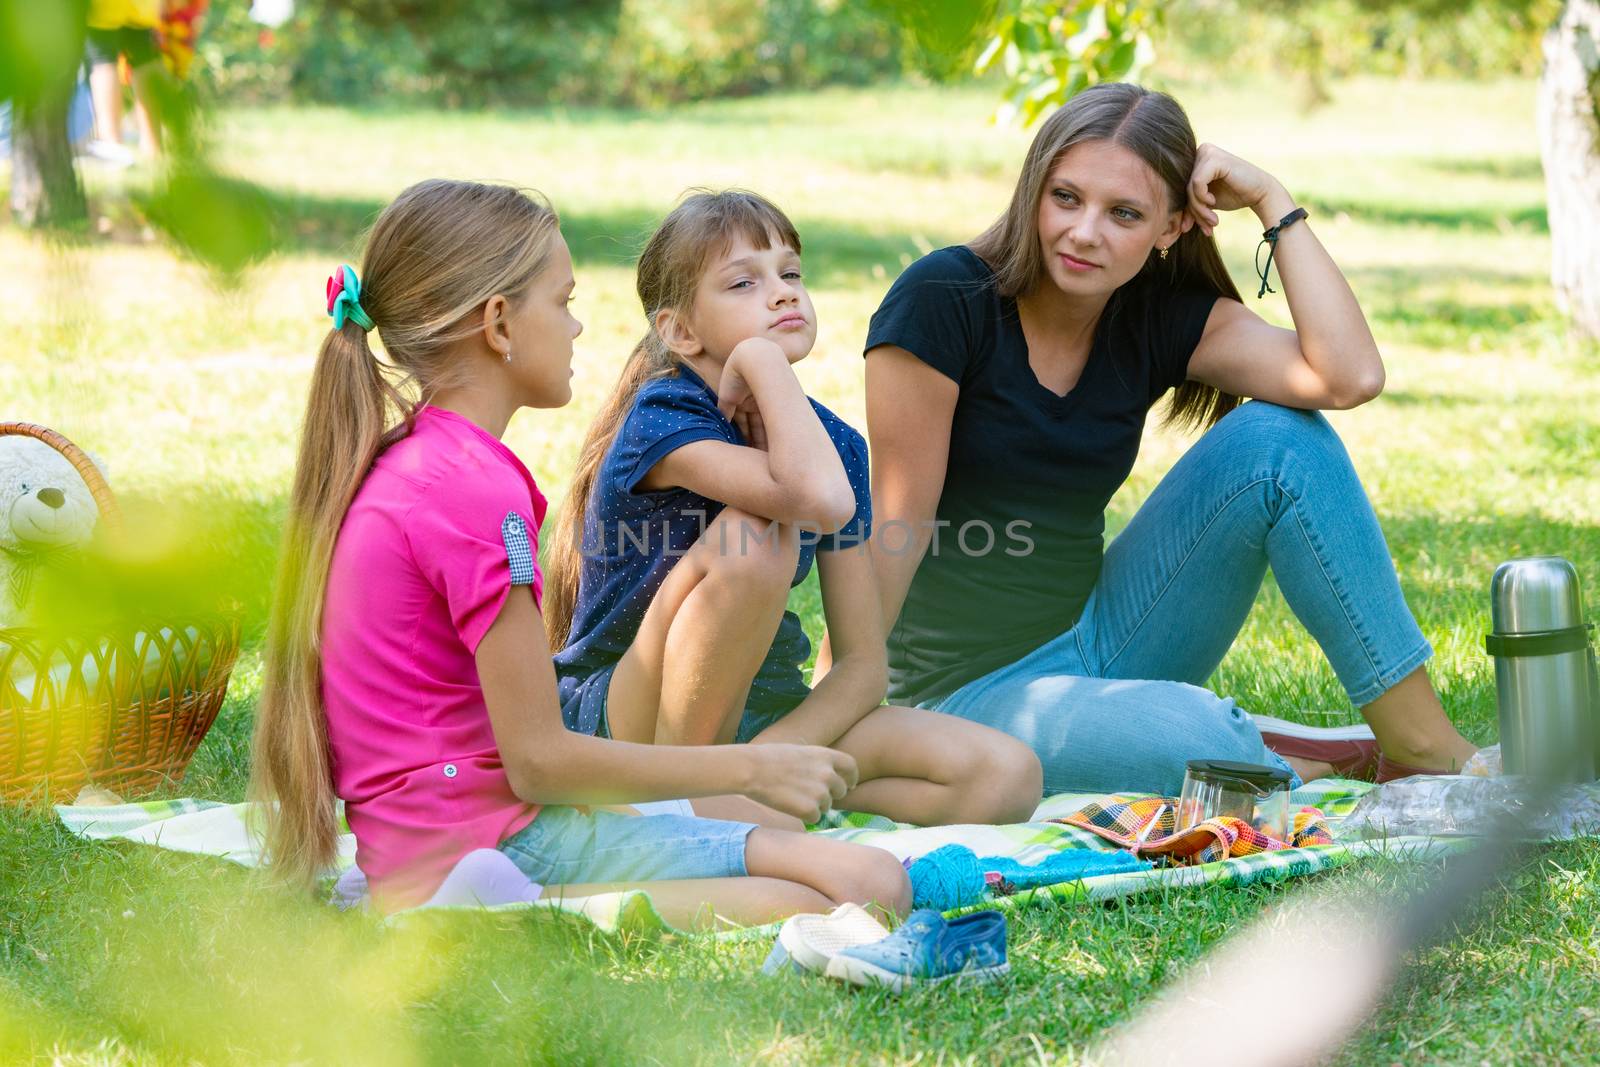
1569	140
44	184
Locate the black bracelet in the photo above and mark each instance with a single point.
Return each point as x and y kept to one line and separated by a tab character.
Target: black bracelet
1269	238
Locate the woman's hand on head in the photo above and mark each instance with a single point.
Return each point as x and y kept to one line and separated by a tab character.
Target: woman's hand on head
799	780
1221	181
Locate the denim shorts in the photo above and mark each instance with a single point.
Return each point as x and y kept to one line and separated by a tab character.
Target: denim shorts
565	846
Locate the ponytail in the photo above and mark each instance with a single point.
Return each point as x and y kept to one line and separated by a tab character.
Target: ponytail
344	430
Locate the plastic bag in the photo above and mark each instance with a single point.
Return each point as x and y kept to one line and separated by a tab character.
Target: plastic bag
1485	763
1459	805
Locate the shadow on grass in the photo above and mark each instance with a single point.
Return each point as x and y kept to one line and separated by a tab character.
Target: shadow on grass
1529	217
836	253
1443	560
1393	301
1510	168
1418	398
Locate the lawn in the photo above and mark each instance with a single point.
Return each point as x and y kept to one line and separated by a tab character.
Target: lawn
1484	446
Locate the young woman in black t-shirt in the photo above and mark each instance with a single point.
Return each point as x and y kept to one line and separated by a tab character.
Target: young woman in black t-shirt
1008	383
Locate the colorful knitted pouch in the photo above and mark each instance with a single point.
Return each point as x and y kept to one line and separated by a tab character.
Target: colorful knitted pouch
1146	828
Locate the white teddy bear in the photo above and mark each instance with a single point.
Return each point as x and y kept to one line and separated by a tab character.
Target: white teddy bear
45	507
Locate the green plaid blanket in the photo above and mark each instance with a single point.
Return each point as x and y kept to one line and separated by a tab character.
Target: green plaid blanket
224	830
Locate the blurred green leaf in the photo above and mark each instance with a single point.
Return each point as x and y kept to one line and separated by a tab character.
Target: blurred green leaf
178	558
224	222
41	42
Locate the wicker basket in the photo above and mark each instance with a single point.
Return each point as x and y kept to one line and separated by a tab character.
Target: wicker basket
123	710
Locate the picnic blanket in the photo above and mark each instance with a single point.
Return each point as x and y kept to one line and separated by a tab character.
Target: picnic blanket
224	830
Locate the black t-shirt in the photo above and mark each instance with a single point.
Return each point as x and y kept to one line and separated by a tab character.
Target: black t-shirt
1021	518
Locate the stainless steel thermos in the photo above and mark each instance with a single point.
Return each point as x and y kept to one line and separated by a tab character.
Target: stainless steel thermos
1544	670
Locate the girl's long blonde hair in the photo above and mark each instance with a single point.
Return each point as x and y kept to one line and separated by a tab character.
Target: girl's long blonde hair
434	257
1155	128
677	254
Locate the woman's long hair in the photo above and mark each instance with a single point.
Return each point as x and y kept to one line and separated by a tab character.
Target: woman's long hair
677	254
434	257
1155	128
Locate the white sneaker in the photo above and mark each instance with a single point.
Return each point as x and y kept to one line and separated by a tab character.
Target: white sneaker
109	152
809	942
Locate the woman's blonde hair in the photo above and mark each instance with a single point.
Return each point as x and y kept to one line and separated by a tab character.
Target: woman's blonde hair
692	235
1155	128
434	257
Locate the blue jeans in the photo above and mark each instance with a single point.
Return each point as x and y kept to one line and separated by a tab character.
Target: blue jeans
1116	703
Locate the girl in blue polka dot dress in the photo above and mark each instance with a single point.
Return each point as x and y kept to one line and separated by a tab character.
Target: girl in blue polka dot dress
706	487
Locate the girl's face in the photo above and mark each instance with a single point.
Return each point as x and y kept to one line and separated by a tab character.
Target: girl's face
1102	212
542	329
752	292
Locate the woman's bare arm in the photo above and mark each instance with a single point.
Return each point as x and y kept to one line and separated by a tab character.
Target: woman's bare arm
1329	360
910	407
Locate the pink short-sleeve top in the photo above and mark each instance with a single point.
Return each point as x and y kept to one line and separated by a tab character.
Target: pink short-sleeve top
444	526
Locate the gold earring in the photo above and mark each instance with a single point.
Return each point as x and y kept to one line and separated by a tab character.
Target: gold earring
1163	256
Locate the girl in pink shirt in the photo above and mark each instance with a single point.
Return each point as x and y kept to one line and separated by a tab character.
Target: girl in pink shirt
407	667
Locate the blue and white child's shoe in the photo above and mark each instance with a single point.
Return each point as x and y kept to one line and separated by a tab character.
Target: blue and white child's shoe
928	949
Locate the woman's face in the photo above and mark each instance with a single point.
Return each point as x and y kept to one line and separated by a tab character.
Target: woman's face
753	292
542	329
1102	212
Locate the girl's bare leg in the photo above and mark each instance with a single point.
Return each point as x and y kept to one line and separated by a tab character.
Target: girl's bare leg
789	873
685	679
925	767
839	870
711	903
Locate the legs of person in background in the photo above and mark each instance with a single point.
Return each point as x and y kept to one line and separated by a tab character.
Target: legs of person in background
106	89
105	93
151	86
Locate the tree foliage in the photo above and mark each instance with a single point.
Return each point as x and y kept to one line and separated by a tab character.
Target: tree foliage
1047	51
1051	51
541	52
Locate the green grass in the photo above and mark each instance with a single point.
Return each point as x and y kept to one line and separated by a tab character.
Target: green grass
1484	446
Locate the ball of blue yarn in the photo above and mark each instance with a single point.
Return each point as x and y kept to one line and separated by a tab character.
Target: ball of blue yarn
948	877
